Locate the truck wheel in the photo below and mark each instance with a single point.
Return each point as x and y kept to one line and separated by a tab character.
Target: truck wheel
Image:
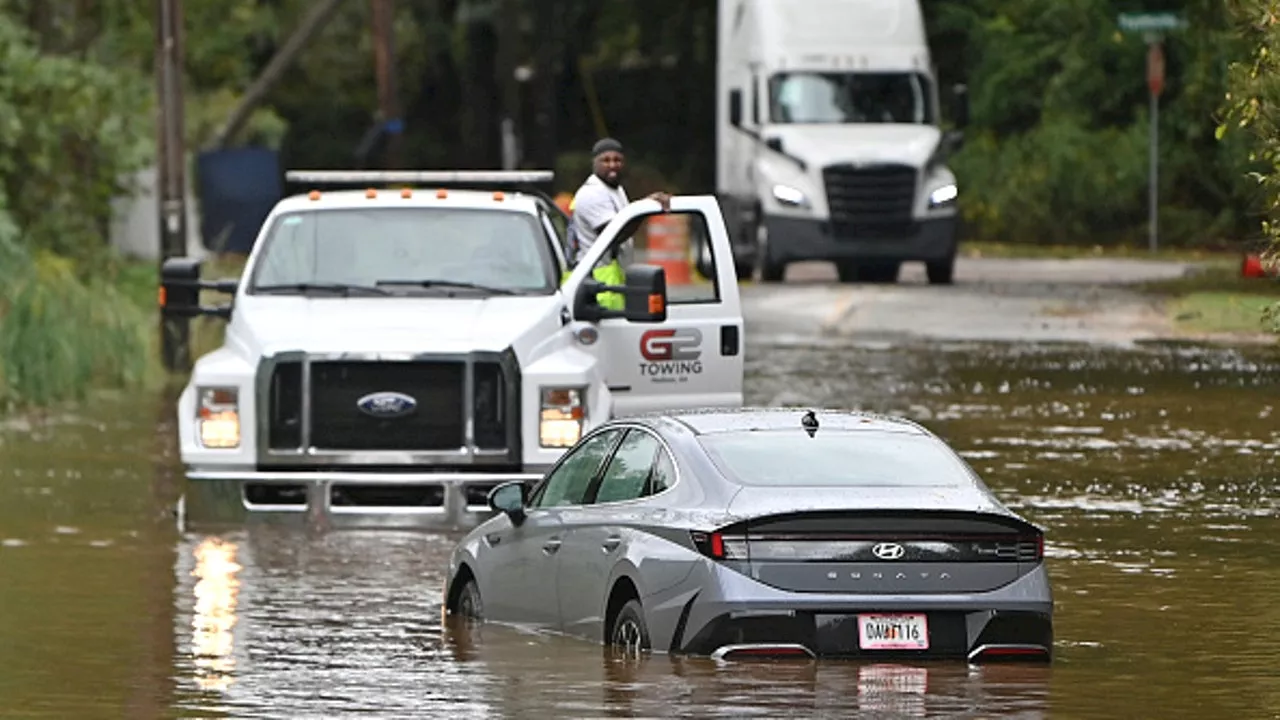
771	271
941	272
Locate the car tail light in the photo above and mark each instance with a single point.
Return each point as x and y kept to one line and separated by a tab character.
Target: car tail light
718	546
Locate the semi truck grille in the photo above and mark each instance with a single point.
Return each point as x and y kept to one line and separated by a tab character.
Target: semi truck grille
873	201
337	422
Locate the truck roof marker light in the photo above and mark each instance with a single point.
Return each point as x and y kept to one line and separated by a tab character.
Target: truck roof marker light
314	195
442	193
406	193
499	196
371	193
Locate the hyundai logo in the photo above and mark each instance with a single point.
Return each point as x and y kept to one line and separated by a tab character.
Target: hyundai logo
888	551
387	404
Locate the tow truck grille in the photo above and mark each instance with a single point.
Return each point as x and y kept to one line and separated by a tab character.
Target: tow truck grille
337	423
872	201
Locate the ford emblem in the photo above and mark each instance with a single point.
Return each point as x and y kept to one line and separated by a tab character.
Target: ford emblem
387	404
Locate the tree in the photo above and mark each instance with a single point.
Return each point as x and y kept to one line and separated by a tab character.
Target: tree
1252	108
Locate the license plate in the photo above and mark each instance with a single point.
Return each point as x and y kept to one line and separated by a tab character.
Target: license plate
893	632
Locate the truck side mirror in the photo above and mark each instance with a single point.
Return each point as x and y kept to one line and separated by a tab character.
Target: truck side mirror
960	104
735	108
180	287
646	296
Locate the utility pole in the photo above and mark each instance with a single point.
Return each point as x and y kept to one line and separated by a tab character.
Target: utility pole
171	168
385	69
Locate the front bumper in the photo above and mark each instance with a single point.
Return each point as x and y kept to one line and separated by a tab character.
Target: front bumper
343	498
799	239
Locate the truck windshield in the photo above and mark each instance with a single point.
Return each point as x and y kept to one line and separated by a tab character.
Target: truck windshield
849	97
406	250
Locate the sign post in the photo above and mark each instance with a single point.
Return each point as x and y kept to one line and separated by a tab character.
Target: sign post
1153	26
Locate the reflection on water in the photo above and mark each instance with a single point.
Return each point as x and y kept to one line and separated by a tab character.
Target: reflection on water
1154	471
214	613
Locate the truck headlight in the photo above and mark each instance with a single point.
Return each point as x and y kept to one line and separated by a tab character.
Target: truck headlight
943	196
560	423
788	195
218	417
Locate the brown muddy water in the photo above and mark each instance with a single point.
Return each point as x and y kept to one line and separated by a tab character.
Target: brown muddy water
1154	471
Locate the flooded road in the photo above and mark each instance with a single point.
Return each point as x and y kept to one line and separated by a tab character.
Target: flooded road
1154	470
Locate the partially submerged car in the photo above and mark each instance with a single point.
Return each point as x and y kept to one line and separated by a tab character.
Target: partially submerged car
777	532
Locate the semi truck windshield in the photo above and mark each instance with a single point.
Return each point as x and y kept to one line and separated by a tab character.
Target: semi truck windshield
849	97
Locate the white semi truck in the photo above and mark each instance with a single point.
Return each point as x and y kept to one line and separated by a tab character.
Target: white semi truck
829	144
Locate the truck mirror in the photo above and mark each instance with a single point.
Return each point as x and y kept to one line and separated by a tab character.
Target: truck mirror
646	296
735	108
180	287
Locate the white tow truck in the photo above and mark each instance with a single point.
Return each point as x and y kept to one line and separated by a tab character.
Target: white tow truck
392	353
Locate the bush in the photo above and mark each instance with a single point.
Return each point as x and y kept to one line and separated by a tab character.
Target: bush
1251	106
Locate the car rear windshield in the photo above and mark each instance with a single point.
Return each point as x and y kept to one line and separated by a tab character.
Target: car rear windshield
834	458
502	249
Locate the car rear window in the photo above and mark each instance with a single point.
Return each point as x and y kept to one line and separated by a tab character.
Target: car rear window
834	458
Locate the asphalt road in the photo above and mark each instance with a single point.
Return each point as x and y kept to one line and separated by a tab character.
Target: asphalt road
1085	300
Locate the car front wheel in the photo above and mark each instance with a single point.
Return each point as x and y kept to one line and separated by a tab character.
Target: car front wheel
469	605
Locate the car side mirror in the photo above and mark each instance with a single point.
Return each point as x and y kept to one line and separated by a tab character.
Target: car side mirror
509	498
735	108
180	287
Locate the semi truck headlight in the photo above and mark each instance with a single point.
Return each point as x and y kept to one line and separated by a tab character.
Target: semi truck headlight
563	411
218	417
943	195
788	195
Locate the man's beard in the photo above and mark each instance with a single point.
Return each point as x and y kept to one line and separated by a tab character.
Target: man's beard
613	183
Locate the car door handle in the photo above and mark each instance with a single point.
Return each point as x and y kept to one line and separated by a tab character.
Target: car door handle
493	538
611	544
551	546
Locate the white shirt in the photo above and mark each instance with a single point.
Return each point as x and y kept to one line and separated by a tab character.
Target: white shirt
594	205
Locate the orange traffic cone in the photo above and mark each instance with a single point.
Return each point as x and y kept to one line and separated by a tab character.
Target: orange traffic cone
1252	267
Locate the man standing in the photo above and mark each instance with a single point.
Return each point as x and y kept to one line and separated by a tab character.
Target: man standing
602	196
599	198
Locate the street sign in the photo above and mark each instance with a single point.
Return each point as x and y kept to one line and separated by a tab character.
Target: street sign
1155	68
1151	22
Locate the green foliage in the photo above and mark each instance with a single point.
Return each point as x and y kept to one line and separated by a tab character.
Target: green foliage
1058	148
1251	110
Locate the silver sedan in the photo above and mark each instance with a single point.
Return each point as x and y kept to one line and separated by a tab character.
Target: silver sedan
745	532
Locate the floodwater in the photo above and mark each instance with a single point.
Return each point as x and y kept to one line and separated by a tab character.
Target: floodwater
1154	470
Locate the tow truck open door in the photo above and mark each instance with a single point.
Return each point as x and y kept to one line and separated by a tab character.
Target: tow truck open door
693	358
